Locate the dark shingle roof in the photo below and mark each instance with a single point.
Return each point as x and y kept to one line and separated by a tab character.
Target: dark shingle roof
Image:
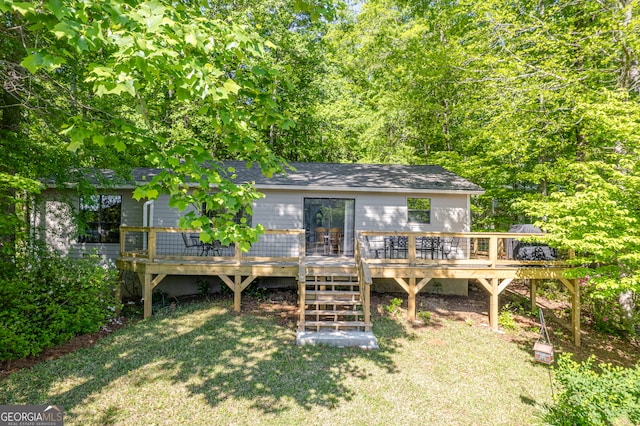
385	177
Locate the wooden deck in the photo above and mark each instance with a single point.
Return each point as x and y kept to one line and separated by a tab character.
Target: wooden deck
488	258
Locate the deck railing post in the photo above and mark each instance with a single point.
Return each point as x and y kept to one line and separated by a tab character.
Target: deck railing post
411	247
152	243
122	237
493	250
238	254
302	281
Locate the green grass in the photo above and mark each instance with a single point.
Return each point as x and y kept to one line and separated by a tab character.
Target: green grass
203	365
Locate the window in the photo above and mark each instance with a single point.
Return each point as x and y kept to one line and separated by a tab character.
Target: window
100	218
419	210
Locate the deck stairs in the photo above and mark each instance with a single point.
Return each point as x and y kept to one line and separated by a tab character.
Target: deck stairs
333	313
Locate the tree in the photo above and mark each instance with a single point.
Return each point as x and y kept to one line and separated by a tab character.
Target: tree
132	63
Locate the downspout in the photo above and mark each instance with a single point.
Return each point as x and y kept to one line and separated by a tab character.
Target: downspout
147	219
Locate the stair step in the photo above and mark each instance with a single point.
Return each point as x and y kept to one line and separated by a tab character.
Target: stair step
332	277
332	302
334	323
332	312
332	293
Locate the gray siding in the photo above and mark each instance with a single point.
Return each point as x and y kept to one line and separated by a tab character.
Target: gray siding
279	209
53	220
373	211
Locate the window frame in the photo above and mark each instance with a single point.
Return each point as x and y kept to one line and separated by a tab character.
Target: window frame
100	231
412	219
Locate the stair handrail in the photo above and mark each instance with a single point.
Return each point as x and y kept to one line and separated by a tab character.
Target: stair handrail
364	278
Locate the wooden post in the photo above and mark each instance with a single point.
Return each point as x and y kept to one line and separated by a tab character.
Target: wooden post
575	312
367	306
237	293
532	295
147	294
302	290
152	244
493	250
412	299
122	239
493	304
411	249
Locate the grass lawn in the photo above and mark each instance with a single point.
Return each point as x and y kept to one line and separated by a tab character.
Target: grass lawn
204	365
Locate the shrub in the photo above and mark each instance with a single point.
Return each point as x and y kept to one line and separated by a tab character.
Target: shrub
601	297
595	396
506	320
394	306
425	316
49	299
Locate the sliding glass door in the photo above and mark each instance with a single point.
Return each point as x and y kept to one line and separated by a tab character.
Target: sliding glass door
329	224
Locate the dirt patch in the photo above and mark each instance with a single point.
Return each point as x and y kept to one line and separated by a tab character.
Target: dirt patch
472	310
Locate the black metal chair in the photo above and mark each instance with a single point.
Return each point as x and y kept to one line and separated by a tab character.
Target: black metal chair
399	246
192	241
213	247
426	245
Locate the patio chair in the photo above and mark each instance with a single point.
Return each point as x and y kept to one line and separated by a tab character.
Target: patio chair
192	241
449	246
213	247
398	247
375	246
335	240
321	239
426	245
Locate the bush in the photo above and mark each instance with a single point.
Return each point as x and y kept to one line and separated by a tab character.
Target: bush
595	396
394	306
601	298
49	299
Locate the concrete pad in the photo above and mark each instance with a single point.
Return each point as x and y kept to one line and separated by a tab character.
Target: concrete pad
341	339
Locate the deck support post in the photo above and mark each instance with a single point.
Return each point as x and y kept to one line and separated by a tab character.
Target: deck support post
302	291
575	312
367	306
237	293
411	305
493	304
532	295
146	293
574	287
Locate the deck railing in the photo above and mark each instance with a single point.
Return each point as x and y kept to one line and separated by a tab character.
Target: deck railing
162	243
481	249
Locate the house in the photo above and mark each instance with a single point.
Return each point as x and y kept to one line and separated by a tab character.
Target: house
312	196
333	230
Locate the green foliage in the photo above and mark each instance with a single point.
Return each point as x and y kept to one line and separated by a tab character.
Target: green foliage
256	291
589	395
506	320
394	306
203	286
49	299
425	316
608	314
177	86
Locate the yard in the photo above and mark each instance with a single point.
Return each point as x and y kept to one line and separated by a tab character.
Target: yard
200	363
